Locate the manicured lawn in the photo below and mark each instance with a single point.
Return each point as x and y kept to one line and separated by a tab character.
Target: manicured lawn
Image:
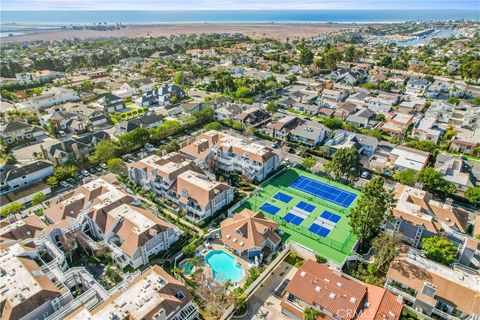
337	245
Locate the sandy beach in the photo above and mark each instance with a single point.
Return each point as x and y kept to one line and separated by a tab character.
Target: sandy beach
280	31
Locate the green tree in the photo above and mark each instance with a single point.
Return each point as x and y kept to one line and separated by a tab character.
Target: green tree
308	163
306	57
433	181
473	195
250	131
133	138
385	247
12	208
272	107
52	181
345	164
332	57
38	198
243	92
291	78
237	126
440	249
115	165
350	54
370	211
333	123
407	177
213	126
104	151
179	78
63	173
310	314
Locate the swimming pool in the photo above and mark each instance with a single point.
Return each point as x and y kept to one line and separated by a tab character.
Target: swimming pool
224	266
186	266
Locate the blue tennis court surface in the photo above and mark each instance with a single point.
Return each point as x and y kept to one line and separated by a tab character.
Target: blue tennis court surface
305	206
269	208
327	215
319	189
283	197
290	217
321	231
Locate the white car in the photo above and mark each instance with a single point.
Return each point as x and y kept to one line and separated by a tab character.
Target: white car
103	165
65	184
85	173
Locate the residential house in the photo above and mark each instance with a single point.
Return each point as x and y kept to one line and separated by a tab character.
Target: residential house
192	107
19	131
329	98
365	145
200	196
153	295
428	129
228	154
363	118
149	120
466	141
436	89
455	170
38	76
398	123
417	84
24	194
252	117
227	112
336	296
382	104
216	103
248	233
281	128
50	97
111	103
75	148
344	109
437	291
418	216
143	85
403	158
61	120
309	133
25	175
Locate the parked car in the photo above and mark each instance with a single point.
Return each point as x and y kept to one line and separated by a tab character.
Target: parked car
65	184
92	170
71	181
275	144
365	175
79	176
103	165
85	173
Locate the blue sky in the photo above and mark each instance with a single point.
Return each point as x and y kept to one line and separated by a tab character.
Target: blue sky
234	4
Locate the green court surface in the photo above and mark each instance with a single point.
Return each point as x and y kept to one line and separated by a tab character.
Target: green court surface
337	245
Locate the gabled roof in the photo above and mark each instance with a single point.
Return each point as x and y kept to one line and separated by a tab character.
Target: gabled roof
24	170
14	126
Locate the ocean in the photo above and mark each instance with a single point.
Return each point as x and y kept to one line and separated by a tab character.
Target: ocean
242	16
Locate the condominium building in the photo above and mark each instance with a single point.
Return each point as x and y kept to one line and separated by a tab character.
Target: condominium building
25	292
153	295
337	296
200	196
437	291
228	154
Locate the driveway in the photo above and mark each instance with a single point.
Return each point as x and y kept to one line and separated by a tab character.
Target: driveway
264	304
25	154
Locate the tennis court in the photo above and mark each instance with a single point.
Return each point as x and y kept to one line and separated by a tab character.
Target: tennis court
319	189
283	197
309	220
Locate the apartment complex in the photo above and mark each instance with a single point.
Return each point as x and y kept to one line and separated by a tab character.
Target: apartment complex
433	289
228	154
337	296
101	210
25	292
153	295
180	180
